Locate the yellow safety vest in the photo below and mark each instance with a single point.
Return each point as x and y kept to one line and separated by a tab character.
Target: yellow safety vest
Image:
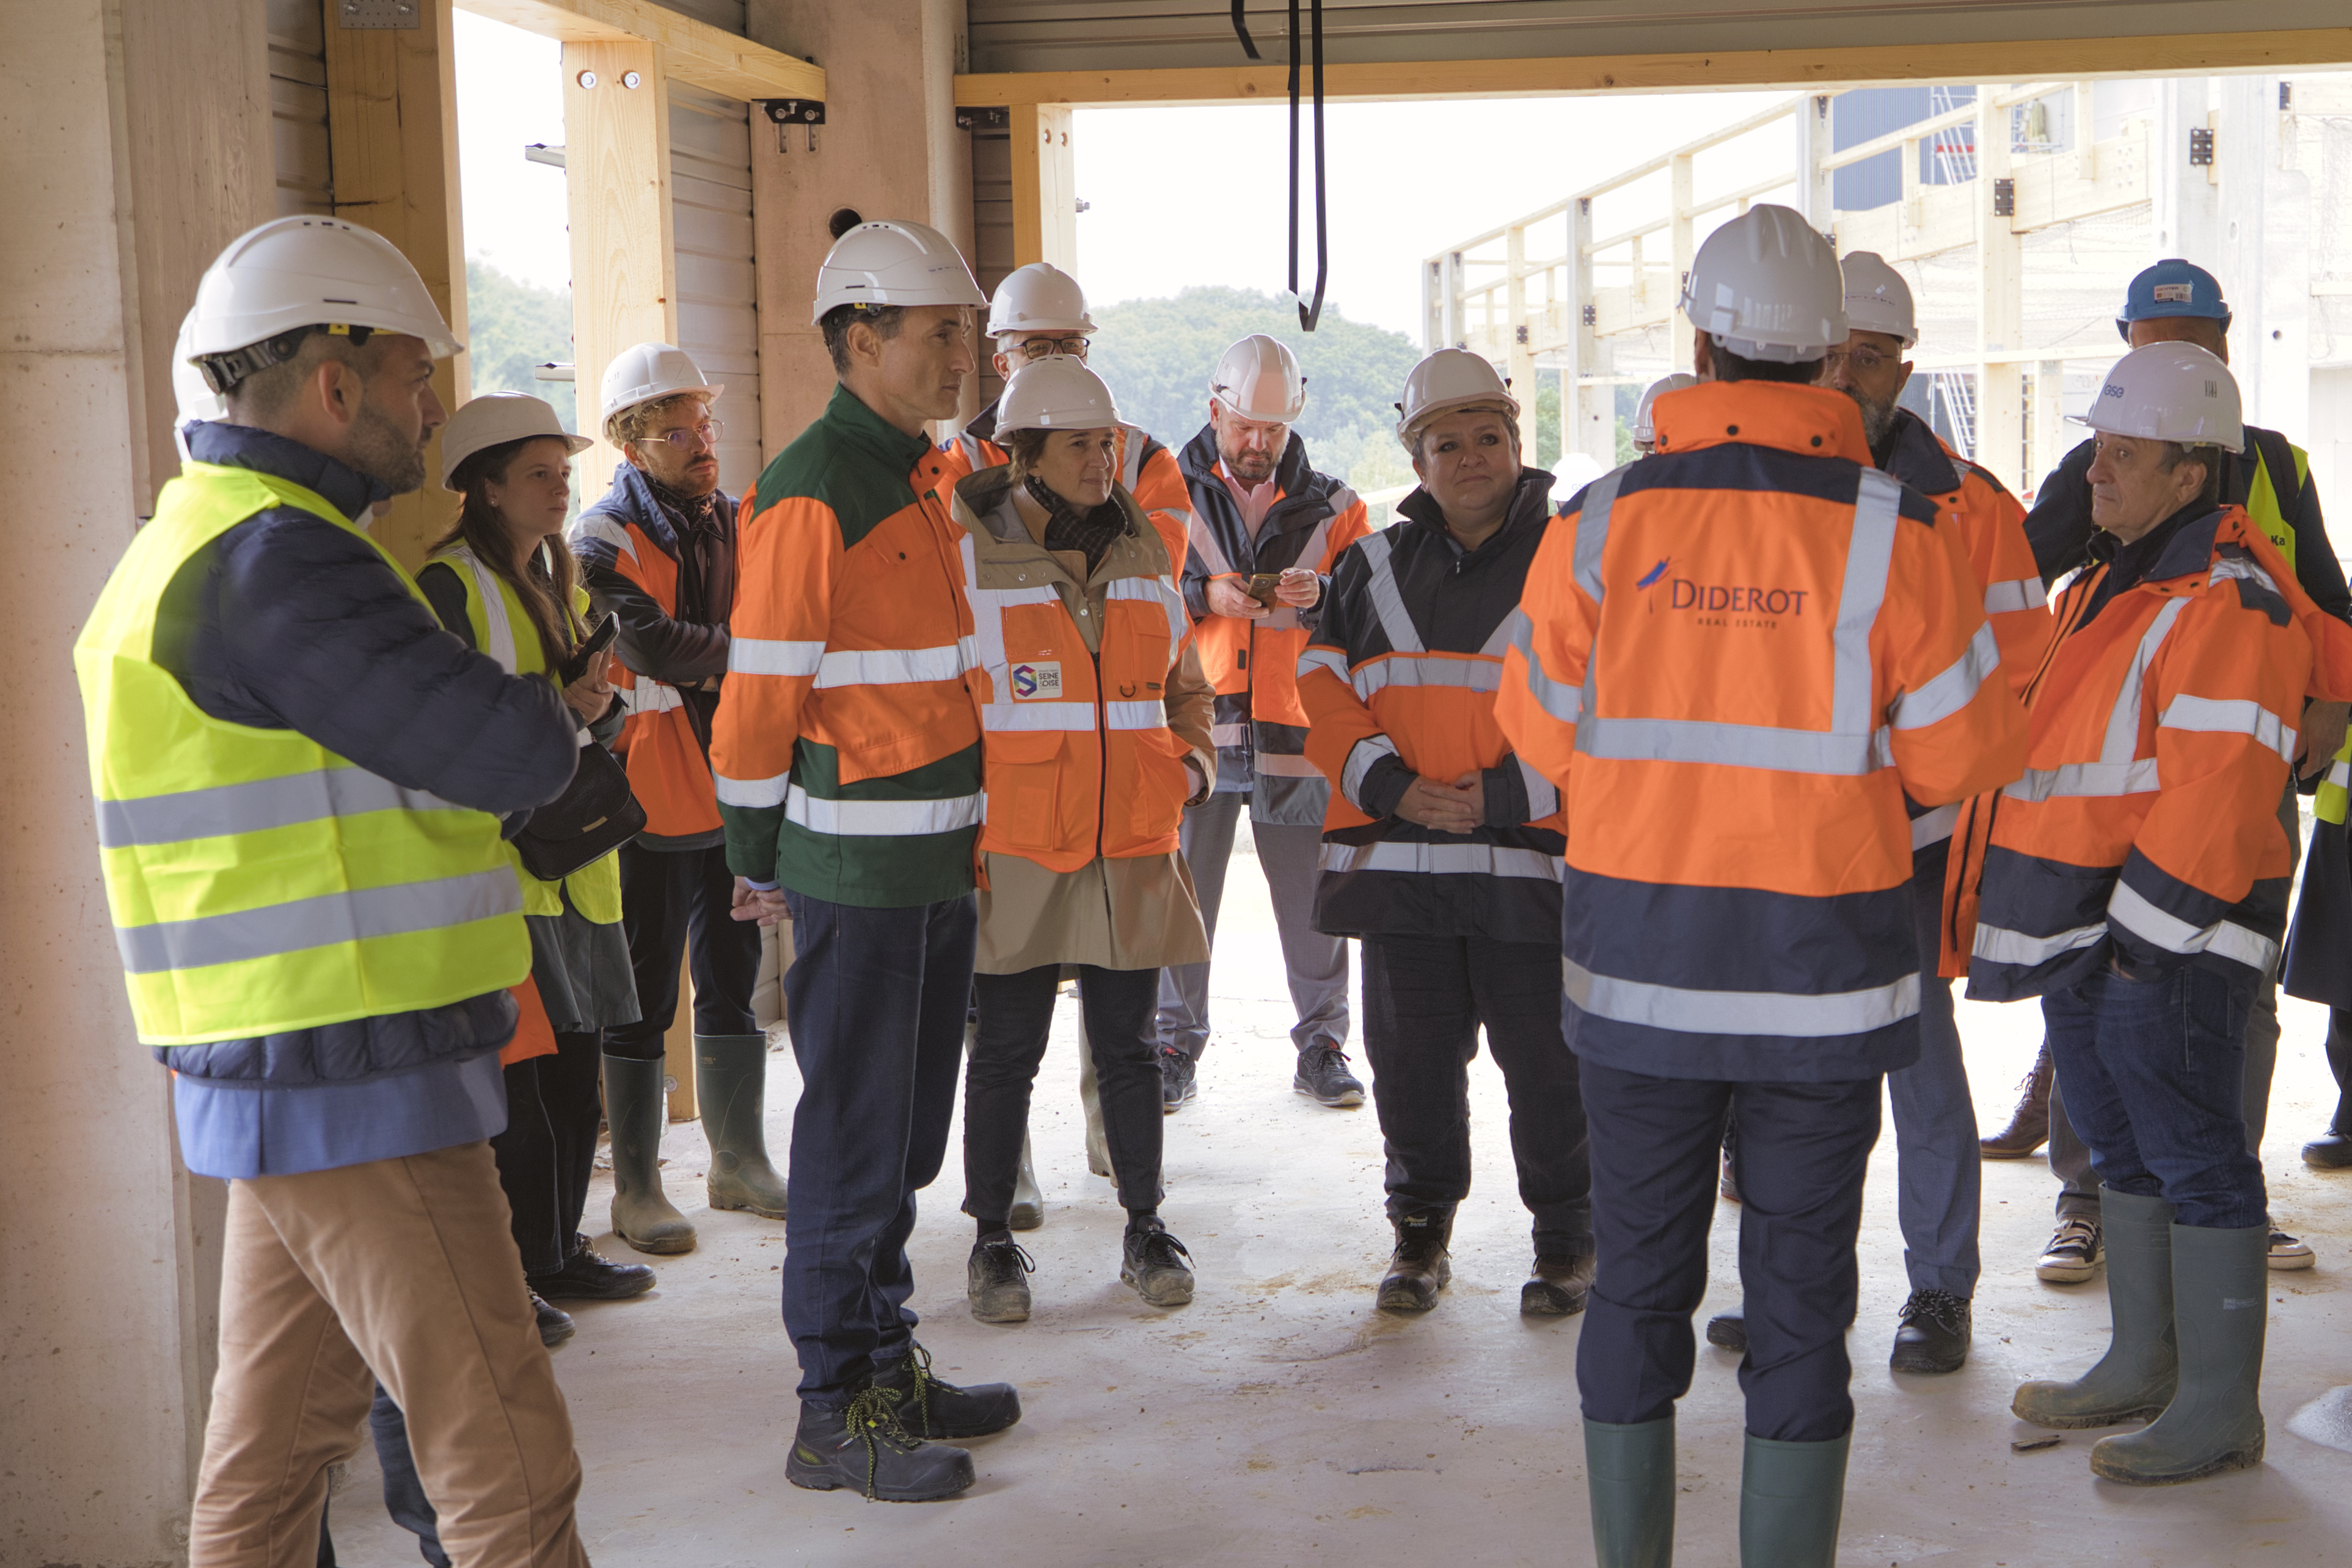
2263	506
513	642
2334	792
258	882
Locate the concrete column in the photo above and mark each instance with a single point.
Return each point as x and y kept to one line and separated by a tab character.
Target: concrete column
889	149
2185	198
107	1325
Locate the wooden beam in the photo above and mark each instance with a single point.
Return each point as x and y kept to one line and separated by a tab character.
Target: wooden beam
1044	187
694	52
392	127
2221	50
623	260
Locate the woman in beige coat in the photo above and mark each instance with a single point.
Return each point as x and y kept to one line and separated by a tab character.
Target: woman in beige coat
1094	729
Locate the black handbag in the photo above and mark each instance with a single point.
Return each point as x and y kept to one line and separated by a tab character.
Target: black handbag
595	815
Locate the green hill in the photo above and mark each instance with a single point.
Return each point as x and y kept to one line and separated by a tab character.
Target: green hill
512	326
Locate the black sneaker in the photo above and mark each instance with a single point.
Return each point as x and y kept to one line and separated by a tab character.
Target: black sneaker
1935	1333
996	1283
1158	1266
1421	1266
1179	1078
864	1445
589	1276
1728	1331
931	1406
1323	1077
555	1324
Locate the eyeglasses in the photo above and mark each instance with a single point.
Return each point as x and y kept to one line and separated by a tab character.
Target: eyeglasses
1864	359
1046	348
706	433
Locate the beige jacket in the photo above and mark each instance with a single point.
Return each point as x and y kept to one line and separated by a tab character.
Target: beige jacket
1136	913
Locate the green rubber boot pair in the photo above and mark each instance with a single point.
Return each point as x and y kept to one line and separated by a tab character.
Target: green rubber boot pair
1791	1498
2135	1380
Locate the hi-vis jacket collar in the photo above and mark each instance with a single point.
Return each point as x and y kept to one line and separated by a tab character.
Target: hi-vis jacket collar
1812	421
2181	565
1917	459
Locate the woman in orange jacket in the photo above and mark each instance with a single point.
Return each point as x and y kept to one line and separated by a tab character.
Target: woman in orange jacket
1094	735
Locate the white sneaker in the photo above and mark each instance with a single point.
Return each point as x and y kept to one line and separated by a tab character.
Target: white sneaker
2290	1251
2074	1254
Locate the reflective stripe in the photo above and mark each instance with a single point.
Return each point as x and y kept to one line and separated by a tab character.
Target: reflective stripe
494	608
1161	592
1564	703
756	793
603	528
1328	660
1934	827
1996	946
1733	746
1954	688
1388	604
1036	716
1203	540
1592	531
2217	716
2122	741
766	656
2248	570
2025	593
1229	734
897	666
1442	860
2132	911
1285	765
880	818
1741	1012
649	696
1877	508
2086	778
1465	671
298	924
1543	798
1362	758
256	807
1134	715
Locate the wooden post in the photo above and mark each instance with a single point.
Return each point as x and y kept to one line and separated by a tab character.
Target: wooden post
392	132
1679	175
2049	442
1521	365
1045	181
2001	305
624	263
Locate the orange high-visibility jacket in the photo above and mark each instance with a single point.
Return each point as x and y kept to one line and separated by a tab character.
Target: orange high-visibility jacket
1738	656
1261	727
1147	470
1992	524
1080	761
1400	682
846	750
2164	724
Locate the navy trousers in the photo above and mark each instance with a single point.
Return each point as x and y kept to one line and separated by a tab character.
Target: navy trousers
1802	1152
875	999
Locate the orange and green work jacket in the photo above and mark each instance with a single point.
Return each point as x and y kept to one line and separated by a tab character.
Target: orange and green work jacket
1740	656
2145	831
1261	727
846	748
1146	471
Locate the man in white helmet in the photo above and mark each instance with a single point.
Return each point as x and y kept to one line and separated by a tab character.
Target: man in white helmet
300	779
658	551
1441	850
1266	530
847	757
2135	881
1646	430
1741	657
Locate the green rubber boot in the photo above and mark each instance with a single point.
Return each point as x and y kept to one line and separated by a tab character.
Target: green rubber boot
730	1085
2135	1379
1790	1497
636	1107
1628	1472
1028	1203
2214	1423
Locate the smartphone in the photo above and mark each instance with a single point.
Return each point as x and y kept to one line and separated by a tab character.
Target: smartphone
586	656
1262	586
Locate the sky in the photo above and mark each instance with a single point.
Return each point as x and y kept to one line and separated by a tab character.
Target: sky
1183	196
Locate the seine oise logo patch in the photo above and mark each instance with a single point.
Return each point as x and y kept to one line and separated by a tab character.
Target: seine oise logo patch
1036	680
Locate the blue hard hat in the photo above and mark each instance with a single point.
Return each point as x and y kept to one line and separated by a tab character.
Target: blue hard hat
2173	287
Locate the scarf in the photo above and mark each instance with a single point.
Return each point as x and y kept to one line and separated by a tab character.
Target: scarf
1069	528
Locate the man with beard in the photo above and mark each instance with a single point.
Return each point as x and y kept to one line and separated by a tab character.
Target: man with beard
1937	1155
659	552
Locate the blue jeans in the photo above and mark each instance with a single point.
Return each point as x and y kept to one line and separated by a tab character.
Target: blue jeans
875	998
2153	1072
1938	1168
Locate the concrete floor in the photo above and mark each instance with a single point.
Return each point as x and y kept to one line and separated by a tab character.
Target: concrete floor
1280	1419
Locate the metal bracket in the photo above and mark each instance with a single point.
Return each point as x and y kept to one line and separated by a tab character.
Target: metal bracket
2004	198
2200	148
983	119
1592	316
788	112
363	16
1522	339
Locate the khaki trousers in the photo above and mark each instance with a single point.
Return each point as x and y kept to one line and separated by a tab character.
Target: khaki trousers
403	1271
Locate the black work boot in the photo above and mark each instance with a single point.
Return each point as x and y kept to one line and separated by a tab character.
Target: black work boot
555	1324
995	1280
1728	1331
1179	1079
1156	1264
863	1446
1323	1077
587	1275
1558	1286
1420	1267
1935	1333
931	1406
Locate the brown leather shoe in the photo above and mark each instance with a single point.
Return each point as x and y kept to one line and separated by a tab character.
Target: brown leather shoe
1556	1286
1421	1266
2029	1125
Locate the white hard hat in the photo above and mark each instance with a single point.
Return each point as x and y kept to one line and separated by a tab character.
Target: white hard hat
493	419
1058	393
1259	379
192	394
643	371
1038	298
2171	391
894	262
298	272
1450	379
1645	429
1876	297
1766	286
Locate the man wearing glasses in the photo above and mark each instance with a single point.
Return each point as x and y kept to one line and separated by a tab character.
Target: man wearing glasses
658	552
